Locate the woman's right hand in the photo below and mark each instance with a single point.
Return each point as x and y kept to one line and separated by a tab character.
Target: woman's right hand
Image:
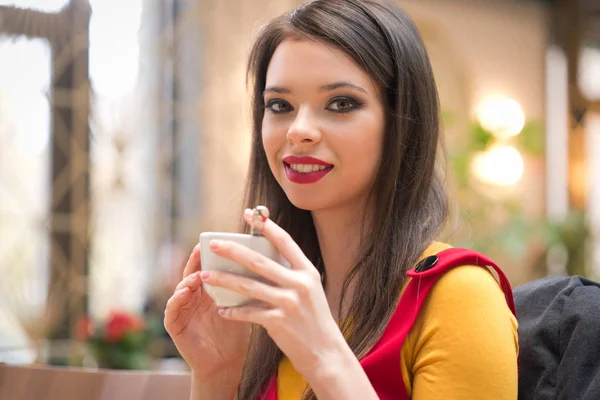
211	345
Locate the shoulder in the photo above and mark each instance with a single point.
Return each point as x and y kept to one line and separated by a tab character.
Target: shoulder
465	300
469	294
462	283
464	327
470	283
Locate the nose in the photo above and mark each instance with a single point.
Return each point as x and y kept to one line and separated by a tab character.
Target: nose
304	129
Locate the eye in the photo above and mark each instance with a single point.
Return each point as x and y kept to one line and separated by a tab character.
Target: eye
278	106
343	104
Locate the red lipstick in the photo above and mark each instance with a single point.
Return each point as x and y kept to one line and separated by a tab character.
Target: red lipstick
297	170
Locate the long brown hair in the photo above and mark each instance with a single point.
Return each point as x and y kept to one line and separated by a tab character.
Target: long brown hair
408	195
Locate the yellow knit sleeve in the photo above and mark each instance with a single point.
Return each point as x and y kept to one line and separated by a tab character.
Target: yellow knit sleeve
464	344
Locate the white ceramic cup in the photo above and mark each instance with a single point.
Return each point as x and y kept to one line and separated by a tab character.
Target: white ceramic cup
211	262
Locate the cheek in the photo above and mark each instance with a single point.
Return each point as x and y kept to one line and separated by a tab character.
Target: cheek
272	141
367	146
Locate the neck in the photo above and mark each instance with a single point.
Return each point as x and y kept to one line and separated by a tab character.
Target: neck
339	231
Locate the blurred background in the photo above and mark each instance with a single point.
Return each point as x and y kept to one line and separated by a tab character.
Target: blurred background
124	133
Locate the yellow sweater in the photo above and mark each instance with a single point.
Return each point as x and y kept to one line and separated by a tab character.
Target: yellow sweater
463	345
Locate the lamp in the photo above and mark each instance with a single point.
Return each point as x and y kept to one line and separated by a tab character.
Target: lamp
500	164
503	117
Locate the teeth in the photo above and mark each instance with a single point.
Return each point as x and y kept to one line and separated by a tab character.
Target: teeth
307	168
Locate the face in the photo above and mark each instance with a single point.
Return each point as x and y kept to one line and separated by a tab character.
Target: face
323	126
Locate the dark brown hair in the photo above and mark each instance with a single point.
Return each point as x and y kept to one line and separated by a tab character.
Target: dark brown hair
408	195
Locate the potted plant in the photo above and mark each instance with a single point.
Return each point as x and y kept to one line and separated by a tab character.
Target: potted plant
122	342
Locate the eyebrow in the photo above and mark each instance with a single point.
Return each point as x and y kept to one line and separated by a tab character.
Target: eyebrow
324	88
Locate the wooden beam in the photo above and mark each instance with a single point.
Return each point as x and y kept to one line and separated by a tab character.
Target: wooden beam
33	24
68	294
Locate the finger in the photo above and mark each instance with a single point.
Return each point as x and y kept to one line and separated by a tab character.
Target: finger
255	261
193	263
174	306
288	248
178	299
248	287
192	281
252	314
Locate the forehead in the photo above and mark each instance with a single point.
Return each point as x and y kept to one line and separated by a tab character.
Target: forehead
310	64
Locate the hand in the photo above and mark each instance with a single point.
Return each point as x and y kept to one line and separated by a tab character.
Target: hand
211	345
294	311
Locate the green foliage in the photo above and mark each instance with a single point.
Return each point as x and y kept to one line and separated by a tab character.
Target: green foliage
531	139
480	138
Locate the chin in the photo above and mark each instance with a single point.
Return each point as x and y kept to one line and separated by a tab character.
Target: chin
304	204
305	201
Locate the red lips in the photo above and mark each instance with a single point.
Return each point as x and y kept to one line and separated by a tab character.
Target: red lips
305	177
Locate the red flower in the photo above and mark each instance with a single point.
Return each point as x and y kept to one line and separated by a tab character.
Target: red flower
120	323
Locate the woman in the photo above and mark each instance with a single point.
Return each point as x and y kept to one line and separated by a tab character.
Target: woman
346	126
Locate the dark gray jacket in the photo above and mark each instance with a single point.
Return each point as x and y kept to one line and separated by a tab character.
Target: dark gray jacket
559	338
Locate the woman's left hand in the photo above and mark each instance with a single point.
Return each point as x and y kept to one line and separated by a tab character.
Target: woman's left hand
294	311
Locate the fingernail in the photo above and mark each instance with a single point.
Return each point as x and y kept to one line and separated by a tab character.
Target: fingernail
204	274
214	244
194	276
222	311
